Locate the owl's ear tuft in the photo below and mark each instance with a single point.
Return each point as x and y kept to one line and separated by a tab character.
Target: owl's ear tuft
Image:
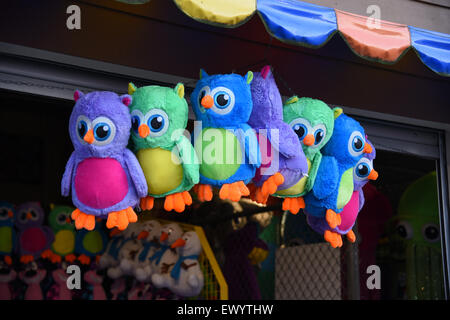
126	99
291	100
337	112
77	95
265	71
131	88
249	77
203	74
179	90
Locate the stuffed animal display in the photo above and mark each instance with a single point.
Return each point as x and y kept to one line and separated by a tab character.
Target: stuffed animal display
226	145
105	177
158	116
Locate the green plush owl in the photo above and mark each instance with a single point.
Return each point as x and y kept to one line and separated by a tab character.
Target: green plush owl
64	231
159	117
313	122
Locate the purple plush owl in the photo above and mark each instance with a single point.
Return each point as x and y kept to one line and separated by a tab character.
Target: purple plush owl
32	238
104	176
283	160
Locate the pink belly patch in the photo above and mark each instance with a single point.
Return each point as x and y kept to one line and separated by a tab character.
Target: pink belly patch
33	239
100	183
350	212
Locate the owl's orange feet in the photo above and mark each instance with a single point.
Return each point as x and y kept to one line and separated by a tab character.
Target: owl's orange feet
293	204
46	254
84	259
333	238
8	260
204	192
147	203
26	258
83	220
333	218
121	219
177	201
70	258
233	191
55	258
351	236
270	186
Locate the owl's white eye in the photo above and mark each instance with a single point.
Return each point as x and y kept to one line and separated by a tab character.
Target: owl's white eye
104	131
404	230
356	144
82	127
4	213
61	219
157	121
430	232
320	131
224	100
136	120
362	169
301	127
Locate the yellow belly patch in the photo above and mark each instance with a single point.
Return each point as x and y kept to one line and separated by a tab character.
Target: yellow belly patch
345	188
64	242
297	188
162	172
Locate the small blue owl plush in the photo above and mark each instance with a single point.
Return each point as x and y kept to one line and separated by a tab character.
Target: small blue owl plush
226	145
333	187
104	176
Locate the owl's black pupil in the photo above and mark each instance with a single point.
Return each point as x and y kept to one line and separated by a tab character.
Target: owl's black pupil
156	122
363	170
135	123
358	143
81	129
319	137
62	218
3	213
431	233
300	131
222	99
33	213
101	131
401	230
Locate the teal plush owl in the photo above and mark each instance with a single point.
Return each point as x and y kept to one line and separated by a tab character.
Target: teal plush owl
313	122
159	117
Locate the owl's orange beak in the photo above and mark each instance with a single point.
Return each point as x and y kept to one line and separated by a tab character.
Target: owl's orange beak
179	243
373	175
29	216
207	102
68	220
308	140
163	237
142	235
143	130
89	136
10	214
367	148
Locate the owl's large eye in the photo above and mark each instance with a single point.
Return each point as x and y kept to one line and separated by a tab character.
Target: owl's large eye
224	100
82	127
4	213
430	232
202	93
61	219
362	169
356	144
33	214
136	120
104	131
301	127
320	132
404	230
158	122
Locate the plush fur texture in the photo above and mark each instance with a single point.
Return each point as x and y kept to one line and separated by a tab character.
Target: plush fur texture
91	243
88	108
267	114
333	186
155	101
235	89
63	229
312	115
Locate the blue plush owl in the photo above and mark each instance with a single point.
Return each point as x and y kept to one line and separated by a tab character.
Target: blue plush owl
333	187
90	244
226	145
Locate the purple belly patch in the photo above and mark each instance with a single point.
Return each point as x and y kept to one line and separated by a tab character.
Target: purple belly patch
100	183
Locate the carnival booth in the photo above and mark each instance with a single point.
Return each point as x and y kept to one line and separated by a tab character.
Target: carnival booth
211	150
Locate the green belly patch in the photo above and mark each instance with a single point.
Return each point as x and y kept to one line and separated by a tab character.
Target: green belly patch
93	242
345	188
64	242
219	152
162	172
5	239
298	188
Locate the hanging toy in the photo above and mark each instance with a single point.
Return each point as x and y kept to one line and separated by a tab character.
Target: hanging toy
90	245
159	116
362	173
150	244
104	176
226	145
313	122
64	232
32	276
33	237
7	275
333	187
283	161
186	277
7	232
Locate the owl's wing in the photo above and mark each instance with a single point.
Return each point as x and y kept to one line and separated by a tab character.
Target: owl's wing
49	235
327	178
315	163
136	173
189	160
247	138
287	144
67	177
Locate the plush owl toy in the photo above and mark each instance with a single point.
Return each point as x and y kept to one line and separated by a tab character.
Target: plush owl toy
7	233
313	123
90	244
333	187
226	144
33	237
362	173
159	116
104	176
283	160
